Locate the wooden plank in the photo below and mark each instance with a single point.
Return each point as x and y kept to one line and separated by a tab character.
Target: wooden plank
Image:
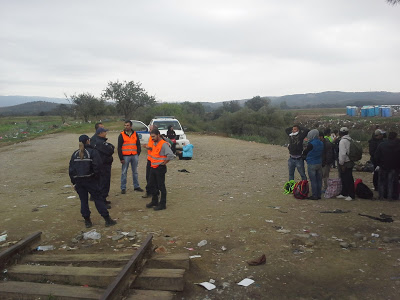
100	277
169	261
160	279
30	290
149	295
125	278
14	252
79	259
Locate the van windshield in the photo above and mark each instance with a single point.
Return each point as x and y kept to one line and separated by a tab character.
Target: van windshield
163	124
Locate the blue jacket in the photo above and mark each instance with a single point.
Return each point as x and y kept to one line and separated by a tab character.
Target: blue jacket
187	151
314	157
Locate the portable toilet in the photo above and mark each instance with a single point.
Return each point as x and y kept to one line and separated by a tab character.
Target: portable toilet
348	110
353	111
377	111
386	111
364	111
371	111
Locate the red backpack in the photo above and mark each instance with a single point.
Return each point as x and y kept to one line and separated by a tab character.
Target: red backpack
301	189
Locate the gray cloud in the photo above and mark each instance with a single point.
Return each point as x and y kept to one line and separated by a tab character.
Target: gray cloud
198	51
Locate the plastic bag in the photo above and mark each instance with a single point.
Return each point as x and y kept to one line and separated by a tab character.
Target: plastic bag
92	235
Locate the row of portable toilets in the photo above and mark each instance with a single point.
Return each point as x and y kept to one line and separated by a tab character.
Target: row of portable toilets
369	111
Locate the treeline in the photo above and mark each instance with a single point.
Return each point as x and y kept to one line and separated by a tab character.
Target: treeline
256	120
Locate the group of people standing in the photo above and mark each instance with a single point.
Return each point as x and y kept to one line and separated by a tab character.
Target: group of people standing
90	168
323	150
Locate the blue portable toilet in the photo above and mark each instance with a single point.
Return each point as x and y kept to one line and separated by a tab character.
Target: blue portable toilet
386	111
348	110
371	111
377	110
364	111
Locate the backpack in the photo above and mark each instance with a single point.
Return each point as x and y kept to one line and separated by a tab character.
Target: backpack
288	187
363	191
301	189
355	151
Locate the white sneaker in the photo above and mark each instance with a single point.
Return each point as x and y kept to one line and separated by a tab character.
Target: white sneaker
340	197
348	198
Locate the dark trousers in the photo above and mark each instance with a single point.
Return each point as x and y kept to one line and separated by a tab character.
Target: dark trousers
388	187
86	186
157	184
375	178
105	179
347	179
148	167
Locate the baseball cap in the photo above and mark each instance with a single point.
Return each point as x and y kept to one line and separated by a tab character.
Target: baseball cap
378	132
83	138
344	129
100	130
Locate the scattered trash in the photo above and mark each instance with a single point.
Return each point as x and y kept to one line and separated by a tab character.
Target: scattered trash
283	230
209	286
3	237
226	285
211	281
71	197
35	209
194	256
253	231
258	261
297	251
190	249
335	211
92	235
392	239
184	171
269	221
67	186
223	248
161	249
45	248
44	205
117	237
246	282
384	218
202	243
361	270
374	235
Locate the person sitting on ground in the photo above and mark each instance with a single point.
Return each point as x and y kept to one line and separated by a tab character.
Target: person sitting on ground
313	154
186	153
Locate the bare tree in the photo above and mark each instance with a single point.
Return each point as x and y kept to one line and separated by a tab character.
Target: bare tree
393	2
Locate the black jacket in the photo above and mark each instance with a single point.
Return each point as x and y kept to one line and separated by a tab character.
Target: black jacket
387	156
105	149
296	141
89	166
373	145
327	155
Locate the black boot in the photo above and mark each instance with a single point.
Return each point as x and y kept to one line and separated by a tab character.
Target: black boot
109	221
88	222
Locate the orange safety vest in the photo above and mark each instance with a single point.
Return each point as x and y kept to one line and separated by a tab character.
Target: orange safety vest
150	145
155	158
129	146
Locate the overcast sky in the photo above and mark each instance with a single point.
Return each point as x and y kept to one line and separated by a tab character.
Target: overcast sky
199	50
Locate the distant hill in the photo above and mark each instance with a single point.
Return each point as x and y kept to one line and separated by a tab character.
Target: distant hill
30	108
15	100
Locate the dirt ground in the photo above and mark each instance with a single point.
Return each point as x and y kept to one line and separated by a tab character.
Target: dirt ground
233	199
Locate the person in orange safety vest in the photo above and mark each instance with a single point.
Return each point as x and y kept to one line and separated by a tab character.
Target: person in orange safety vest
159	155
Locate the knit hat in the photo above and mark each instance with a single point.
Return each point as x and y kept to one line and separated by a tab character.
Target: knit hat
83	138
344	129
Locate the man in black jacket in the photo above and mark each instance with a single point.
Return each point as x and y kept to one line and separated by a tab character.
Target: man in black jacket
296	135
374	142
387	157
106	151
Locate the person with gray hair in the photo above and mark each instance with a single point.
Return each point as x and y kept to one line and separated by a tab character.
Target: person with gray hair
346	166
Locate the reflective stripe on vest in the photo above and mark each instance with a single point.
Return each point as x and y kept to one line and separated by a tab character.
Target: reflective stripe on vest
150	145
129	146
155	158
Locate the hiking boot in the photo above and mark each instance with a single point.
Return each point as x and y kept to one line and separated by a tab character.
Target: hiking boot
313	198
88	223
108	202
109	221
138	189
123	191
160	207
151	204
108	206
146	196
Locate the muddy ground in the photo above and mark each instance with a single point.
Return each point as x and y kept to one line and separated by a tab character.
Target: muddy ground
232	198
